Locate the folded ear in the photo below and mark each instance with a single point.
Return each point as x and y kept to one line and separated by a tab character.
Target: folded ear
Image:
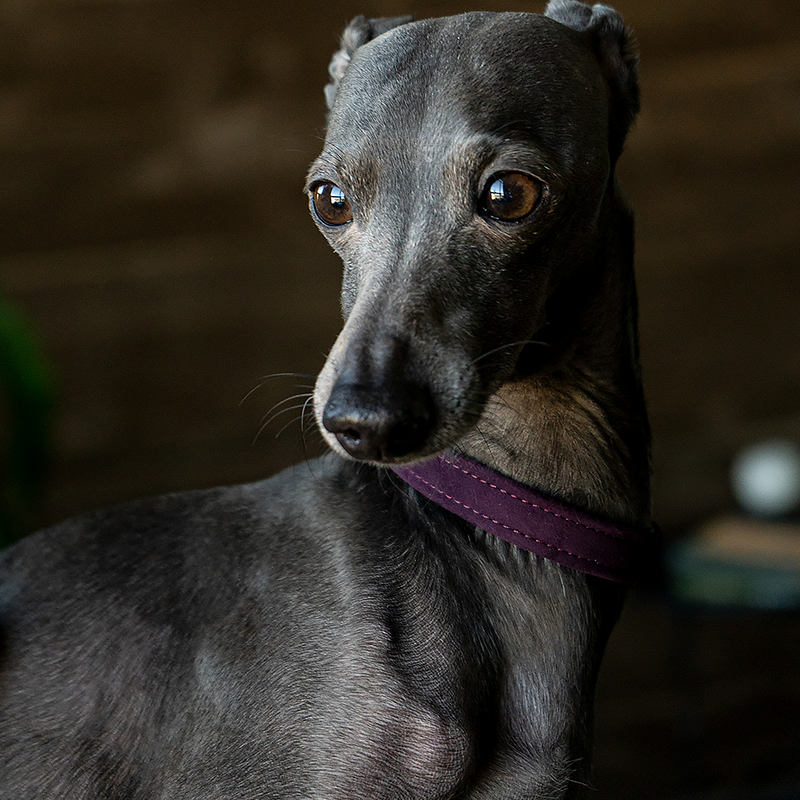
357	33
616	51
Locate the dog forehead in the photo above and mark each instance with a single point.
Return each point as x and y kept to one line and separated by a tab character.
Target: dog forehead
494	69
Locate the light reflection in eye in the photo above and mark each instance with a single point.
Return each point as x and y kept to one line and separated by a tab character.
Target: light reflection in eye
331	204
498	193
337	198
510	196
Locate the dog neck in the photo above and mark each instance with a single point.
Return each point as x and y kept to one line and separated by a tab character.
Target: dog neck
519	515
574	425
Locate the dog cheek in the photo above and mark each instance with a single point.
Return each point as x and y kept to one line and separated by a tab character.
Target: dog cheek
510	272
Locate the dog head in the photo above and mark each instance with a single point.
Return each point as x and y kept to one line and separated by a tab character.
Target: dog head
465	166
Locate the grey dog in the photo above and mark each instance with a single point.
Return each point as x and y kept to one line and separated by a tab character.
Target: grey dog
330	632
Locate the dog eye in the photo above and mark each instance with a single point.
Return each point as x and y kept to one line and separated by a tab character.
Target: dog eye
331	204
510	196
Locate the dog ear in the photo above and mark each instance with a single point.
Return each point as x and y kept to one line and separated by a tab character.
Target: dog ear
617	53
357	33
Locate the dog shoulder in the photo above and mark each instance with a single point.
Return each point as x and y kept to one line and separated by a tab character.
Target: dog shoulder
183	558
108	619
133	546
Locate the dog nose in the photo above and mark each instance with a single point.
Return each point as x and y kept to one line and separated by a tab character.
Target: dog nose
379	424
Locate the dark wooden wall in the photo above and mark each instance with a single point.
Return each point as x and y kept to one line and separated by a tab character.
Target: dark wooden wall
152	154
151	160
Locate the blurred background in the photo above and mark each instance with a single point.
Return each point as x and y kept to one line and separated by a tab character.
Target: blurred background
157	261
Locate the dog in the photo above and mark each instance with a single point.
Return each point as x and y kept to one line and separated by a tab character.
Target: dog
386	621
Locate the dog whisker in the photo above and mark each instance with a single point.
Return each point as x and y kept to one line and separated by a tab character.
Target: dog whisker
265	419
283	411
307	375
276	411
305	412
300	418
508	346
264	378
274	417
305	431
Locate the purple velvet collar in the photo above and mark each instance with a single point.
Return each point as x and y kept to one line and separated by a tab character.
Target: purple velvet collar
519	515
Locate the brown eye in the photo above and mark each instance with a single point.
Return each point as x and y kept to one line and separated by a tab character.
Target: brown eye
330	204
510	196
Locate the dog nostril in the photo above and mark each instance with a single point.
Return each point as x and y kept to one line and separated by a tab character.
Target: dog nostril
379	425
349	439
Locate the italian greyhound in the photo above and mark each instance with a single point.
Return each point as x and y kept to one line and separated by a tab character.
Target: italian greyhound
370	624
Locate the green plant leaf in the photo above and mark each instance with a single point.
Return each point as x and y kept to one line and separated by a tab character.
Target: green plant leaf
26	386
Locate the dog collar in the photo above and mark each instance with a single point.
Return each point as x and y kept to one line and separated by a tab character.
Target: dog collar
535	523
